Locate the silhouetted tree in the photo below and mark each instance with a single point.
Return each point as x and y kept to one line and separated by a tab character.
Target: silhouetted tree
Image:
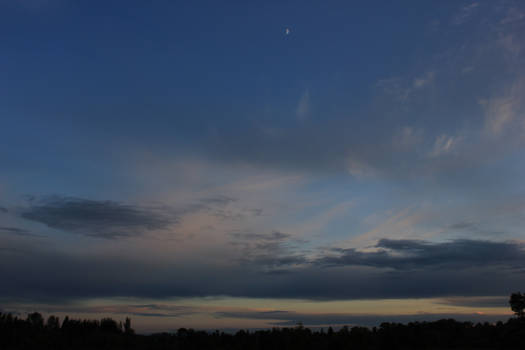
517	304
53	322
109	325
127	326
36	320
29	333
65	323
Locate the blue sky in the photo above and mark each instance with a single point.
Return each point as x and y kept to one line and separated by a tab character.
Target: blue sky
203	164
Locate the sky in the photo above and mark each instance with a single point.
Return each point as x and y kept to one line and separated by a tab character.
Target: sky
226	165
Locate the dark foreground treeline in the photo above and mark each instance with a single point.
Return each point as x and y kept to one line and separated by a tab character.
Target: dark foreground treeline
35	333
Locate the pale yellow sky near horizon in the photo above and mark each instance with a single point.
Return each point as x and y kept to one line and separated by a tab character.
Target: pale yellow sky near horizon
212	312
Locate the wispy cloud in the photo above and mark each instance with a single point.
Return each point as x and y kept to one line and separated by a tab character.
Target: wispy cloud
513	15
17	231
424	80
402	89
395	87
505	112
303	107
465	13
444	144
360	169
407	137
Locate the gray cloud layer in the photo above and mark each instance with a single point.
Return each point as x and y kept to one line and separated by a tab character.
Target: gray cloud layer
104	219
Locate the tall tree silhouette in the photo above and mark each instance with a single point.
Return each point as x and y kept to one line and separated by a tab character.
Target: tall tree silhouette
127	326
517	304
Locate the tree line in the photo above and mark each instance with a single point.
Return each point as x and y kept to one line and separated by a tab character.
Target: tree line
33	332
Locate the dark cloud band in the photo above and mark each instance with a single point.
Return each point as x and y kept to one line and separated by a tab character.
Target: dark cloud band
425	270
104	219
412	254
